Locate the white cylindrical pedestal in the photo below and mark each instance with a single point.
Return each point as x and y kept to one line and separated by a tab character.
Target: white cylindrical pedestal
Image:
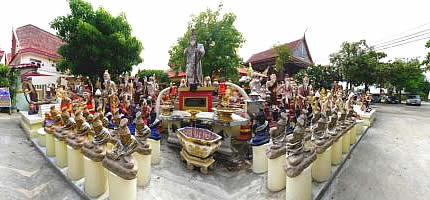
346	142
300	187
321	168
353	134
276	174
95	178
75	161
121	189
336	152
42	137
259	159
144	168
60	153
155	154
359	125
50	146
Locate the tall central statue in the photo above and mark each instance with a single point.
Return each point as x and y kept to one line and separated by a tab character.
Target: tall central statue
194	54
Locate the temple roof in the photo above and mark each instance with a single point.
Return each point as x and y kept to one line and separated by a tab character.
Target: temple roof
1	54
270	54
36	40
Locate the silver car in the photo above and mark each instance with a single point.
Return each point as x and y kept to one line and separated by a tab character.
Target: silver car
413	100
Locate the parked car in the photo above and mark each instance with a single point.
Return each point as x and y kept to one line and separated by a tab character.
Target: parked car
413	100
376	98
391	99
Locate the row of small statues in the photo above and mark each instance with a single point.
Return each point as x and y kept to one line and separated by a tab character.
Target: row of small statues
77	130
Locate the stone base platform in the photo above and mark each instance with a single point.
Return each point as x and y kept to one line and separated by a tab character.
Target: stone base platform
30	123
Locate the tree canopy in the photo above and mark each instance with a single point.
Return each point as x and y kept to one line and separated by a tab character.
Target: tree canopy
220	39
319	76
358	62
283	53
161	75
95	41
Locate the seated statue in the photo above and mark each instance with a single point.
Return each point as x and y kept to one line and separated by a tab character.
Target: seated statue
120	161
67	128
260	129
153	124
76	141
278	135
96	149
297	159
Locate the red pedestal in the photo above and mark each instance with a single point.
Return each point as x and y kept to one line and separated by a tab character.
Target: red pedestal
201	99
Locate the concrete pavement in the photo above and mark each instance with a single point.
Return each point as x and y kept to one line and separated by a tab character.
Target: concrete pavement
392	161
24	174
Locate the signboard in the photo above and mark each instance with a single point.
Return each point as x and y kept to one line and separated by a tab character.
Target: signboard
5	101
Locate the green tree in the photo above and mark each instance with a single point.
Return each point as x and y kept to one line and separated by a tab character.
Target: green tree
427	58
283	53
319	76
220	39
160	75
9	78
406	74
358	63
95	41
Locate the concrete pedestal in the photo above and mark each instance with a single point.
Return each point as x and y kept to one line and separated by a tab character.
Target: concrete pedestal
121	189
336	152
144	168
276	174
60	153
95	178
259	159
353	136
359	125
346	141
155	157
42	137
75	161
50	145
321	168
300	187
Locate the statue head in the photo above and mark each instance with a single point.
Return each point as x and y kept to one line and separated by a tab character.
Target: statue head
193	38
106	76
97	125
124	132
306	81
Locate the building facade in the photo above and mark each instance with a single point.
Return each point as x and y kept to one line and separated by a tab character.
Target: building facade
300	58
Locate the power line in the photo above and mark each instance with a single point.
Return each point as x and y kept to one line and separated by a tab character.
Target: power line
381	40
403	43
409	38
400	38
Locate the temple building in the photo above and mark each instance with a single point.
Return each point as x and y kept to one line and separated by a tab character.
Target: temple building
34	53
300	58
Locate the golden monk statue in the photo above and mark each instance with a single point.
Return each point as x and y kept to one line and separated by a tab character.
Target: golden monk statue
120	161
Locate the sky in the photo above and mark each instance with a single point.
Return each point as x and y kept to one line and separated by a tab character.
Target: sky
158	24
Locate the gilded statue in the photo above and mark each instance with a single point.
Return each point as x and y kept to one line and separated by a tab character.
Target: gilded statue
121	161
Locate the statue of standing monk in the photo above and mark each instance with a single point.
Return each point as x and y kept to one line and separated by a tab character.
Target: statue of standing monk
194	54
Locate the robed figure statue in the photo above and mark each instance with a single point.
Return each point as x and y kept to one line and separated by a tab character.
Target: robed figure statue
194	54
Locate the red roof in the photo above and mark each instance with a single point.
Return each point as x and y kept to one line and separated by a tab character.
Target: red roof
269	54
242	71
36	40
1	54
181	74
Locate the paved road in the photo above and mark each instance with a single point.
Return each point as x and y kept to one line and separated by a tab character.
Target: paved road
392	161
24	174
